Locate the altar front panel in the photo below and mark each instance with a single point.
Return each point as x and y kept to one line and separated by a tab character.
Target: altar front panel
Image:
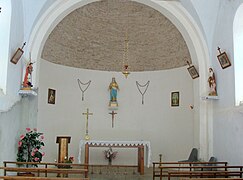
125	144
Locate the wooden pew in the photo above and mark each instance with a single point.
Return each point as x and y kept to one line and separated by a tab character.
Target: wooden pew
38	178
45	170
160	169
208	174
211	179
59	168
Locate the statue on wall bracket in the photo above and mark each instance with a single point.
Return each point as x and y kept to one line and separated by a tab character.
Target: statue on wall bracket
212	83
113	88
27	83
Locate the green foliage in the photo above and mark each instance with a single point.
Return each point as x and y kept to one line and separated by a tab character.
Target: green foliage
30	146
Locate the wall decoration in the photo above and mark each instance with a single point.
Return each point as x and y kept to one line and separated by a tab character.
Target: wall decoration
145	86
175	98
27	84
192	71
17	55
113	87
212	83
223	59
87	114
80	84
113	113
51	96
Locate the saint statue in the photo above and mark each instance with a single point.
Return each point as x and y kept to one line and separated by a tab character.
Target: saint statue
27	82
113	87
212	83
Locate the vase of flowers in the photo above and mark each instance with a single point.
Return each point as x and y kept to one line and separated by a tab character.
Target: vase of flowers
68	160
110	155
30	146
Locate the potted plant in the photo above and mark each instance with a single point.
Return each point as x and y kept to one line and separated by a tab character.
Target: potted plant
30	146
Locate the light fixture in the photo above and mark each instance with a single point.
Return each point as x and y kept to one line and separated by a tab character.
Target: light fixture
125	69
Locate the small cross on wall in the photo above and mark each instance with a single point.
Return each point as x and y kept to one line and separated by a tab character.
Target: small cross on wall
112	116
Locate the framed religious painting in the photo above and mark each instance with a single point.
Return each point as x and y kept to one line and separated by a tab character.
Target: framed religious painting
193	72
224	60
17	55
175	98
51	96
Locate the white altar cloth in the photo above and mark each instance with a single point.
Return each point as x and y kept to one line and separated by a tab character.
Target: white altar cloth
146	144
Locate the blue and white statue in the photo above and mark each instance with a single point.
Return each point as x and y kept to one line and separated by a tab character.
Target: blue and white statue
113	87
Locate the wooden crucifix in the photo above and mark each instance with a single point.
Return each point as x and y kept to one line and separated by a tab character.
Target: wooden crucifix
113	116
87	124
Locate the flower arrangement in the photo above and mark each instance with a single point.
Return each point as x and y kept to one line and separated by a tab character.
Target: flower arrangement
69	160
109	155
30	146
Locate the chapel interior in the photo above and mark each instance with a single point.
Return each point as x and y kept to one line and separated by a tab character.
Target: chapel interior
148	80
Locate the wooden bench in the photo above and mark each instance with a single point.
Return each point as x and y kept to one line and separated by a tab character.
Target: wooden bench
208	174
211	178
59	168
207	171
38	178
160	169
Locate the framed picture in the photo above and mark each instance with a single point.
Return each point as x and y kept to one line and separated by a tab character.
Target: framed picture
17	55
51	96
175	98
193	72
224	60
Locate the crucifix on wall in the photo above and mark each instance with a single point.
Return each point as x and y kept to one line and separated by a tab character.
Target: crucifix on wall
87	114
112	117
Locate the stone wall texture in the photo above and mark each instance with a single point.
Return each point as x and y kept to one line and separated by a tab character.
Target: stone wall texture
93	37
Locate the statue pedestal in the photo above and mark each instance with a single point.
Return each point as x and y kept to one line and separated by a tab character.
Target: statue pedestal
113	106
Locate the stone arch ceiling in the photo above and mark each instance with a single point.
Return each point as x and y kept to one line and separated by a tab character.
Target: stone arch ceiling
93	37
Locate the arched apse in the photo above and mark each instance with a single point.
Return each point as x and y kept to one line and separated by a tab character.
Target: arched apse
179	17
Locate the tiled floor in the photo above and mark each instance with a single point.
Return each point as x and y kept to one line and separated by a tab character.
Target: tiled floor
119	174
114	173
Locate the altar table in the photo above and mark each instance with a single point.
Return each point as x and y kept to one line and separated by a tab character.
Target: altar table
119	144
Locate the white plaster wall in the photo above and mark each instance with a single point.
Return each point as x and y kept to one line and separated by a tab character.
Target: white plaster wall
4	36
167	128
9	131
238	55
208	17
31	10
15	113
12	125
14	75
13	72
227	118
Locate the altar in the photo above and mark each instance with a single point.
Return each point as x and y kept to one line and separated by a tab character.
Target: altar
142	146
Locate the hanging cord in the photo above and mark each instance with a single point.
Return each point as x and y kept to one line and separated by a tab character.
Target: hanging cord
84	84
139	85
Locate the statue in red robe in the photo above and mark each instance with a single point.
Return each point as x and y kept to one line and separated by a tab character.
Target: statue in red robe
27	82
